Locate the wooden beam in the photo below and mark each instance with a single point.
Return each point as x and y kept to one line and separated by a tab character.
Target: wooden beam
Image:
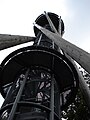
7	41
82	57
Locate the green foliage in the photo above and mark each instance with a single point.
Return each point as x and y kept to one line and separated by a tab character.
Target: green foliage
78	110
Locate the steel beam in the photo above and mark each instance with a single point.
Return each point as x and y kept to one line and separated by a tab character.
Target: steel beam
14	107
50	23
59	28
52	99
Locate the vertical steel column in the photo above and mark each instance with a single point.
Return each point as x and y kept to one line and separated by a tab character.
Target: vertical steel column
52	99
59	106
11	115
52	91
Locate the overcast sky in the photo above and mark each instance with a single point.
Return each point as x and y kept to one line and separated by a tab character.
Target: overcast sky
17	17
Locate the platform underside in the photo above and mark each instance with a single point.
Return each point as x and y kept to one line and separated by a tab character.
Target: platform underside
38	58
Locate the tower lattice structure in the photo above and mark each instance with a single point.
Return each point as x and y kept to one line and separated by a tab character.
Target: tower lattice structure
38	81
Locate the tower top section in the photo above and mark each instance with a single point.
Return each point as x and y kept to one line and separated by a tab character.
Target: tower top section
56	20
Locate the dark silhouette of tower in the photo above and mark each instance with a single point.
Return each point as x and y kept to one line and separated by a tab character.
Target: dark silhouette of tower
38	81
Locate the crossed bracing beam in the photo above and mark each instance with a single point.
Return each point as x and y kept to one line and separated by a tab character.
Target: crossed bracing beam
73	53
